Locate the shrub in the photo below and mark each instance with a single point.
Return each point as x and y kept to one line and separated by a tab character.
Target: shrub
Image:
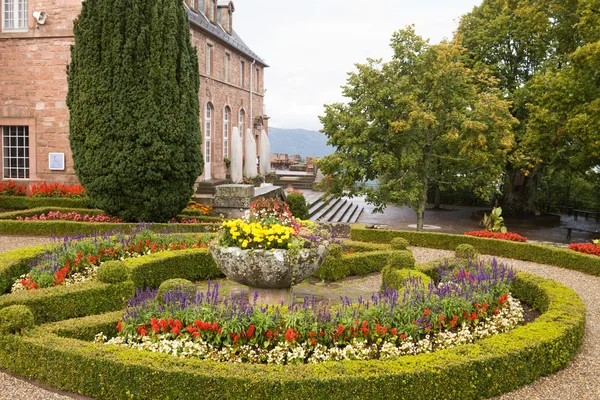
298	205
134	127
174	284
401	260
393	278
15	319
466	251
113	272
333	268
399	243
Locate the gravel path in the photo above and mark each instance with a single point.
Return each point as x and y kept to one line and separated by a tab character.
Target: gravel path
580	380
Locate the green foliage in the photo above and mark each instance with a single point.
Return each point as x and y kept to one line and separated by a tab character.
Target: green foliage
15	319
486	369
24	203
64	302
15	263
333	268
441	122
399	243
113	272
494	222
298	205
133	101
63	228
466	251
193	265
394	278
174	284
401	260
563	258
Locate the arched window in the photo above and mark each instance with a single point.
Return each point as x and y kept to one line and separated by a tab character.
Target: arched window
226	114
207	132
241	121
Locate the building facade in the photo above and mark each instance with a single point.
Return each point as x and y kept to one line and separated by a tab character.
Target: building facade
35	40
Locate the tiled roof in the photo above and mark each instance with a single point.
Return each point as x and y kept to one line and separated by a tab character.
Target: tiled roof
199	20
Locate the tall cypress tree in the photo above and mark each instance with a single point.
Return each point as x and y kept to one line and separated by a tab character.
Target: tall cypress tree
134	110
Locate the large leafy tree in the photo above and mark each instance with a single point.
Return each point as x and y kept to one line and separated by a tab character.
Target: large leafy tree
133	100
520	40
421	119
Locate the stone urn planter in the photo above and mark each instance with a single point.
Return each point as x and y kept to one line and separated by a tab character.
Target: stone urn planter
268	269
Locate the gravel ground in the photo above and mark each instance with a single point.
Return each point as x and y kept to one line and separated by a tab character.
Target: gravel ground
580	380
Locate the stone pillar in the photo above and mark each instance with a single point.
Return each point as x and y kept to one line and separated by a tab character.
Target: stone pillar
250	169
265	153
237	155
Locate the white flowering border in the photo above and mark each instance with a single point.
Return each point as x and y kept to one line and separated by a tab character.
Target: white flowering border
509	317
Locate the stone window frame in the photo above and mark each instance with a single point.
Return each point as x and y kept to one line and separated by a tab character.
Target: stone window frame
242	73
241	122
30	124
15	9
210	46
226	130
5	136
209	111
227	66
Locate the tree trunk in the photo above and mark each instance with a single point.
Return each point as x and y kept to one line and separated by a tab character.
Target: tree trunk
420	216
437	197
520	191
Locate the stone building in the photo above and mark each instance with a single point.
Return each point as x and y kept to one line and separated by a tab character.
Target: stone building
35	40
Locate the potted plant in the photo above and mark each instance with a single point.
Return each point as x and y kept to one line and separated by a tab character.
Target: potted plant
268	248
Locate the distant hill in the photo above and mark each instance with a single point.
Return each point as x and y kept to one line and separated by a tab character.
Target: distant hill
299	141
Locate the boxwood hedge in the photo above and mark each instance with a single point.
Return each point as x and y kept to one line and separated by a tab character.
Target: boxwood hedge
502	248
56	355
61	228
24	203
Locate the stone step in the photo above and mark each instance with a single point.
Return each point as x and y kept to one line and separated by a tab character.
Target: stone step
208	187
333	204
317	206
331	215
355	215
339	216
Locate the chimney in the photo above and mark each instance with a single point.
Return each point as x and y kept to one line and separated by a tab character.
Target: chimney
225	15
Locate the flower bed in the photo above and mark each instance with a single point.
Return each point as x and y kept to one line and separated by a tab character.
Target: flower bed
53	190
486	368
513	237
76	260
470	302
70	216
586	248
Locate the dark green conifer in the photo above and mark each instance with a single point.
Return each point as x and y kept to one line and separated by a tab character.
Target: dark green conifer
133	101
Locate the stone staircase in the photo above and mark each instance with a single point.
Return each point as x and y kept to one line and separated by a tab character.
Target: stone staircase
333	210
207	188
301	182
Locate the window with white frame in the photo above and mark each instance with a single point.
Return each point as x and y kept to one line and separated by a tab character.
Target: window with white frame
226	114
209	50
14	15
227	62
207	132
15	152
241	122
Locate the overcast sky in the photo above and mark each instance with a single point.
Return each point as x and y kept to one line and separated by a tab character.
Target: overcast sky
311	45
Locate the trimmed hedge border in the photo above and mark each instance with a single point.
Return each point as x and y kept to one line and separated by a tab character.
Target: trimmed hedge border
12	215
522	251
490	367
24	203
61	228
15	263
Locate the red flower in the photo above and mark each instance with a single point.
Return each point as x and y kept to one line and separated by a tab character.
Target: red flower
393	331
426	313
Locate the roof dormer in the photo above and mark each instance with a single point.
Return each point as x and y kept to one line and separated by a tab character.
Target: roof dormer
210	10
225	9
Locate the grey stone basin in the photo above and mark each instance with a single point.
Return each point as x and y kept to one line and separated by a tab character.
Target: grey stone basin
268	269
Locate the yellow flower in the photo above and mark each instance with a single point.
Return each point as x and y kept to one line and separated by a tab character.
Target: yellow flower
244	244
